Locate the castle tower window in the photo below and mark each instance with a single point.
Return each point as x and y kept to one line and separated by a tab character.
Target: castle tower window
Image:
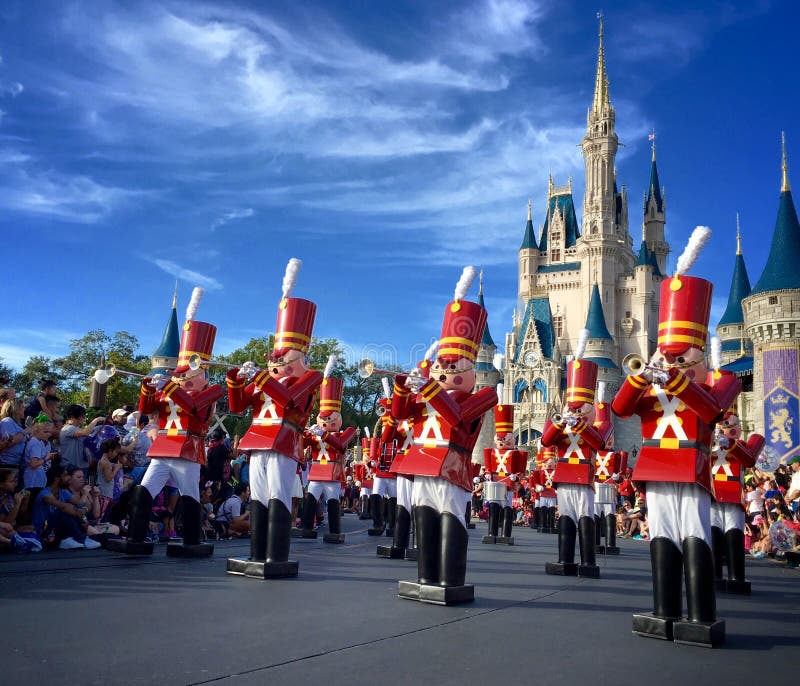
773	300
558	325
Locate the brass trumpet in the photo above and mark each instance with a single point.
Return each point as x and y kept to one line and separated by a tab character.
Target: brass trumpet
569	420
366	368
196	362
634	364
103	374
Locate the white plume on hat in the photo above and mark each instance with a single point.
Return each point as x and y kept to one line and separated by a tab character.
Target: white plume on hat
464	283
191	308
387	392
583	337
430	353
600	396
366	432
716	352
329	366
697	240
500	389
290	276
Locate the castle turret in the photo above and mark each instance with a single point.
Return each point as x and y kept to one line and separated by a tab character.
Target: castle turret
655	218
730	329
165	356
528	260
772	321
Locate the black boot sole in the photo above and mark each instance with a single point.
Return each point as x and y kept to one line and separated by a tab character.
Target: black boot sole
118	545
647	625
436	595
561	568
391	552
262	570
702	634
185	550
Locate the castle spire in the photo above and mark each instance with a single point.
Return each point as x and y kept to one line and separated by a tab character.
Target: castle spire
780	272
740	285
654	191
529	239
595	319
165	356
175	296
601	99
487	339
784	167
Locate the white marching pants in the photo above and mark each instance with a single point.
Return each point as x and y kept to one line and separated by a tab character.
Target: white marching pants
441	495
384	487
325	490
678	511
185	474
272	476
575	501
405	488
727	516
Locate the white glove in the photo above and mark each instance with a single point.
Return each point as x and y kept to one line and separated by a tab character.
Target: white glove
615	477
539	489
159	381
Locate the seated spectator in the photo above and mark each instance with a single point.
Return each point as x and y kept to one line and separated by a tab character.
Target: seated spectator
89	497
36	458
58	515
38	404
753	496
760	543
72	434
632	518
625	488
13	435
109	475
232	514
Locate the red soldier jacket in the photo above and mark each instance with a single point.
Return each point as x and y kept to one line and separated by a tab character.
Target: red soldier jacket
505	462
383	450
446	427
607	463
546	479
576	448
677	425
327	453
183	419
726	472
280	410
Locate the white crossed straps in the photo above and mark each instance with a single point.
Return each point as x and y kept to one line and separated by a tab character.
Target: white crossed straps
431	426
670	420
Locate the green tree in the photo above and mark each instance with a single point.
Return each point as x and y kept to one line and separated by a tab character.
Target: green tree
76	369
35	370
6	374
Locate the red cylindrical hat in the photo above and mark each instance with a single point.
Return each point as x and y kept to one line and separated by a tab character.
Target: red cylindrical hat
581	381
294	327
424	368
503	419
330	396
462	330
623	461
197	338
602	413
683	314
546	454
365	445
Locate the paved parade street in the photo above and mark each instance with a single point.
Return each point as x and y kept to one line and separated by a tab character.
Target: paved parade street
92	617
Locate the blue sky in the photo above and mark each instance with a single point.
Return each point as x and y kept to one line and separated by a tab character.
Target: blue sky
386	144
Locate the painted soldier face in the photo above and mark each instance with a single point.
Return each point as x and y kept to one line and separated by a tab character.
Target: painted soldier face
731	427
333	422
585	411
454	375
192	381
504	442
691	362
293	363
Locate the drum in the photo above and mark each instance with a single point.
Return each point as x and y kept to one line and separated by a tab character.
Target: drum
494	490
606	494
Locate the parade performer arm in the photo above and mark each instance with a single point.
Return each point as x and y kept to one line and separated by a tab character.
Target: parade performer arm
552	433
629	395
726	389
747	453
401	407
451	410
706	405
194	402
339	440
239	396
147	397
478	404
286	395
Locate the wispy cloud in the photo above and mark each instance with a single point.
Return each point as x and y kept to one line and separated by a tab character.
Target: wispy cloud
18	345
71	198
190	276
230	216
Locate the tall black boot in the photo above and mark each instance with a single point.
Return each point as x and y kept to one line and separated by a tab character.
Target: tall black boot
611	535
140	508
376	509
450	588
334	534
586	537
309	515
508	523
259	527
598	532
428	529
534	523
494	523
701	626
411	550
734	544
666	561
566	549
402	531
192	526
551	520
391	517
258	531
717	549
468	516
364	507
279	537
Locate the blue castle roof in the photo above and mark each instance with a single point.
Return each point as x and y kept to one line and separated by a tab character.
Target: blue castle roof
740	288
781	272
595	319
563	204
487	337
643	259
171	342
538	310
654	191
529	239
